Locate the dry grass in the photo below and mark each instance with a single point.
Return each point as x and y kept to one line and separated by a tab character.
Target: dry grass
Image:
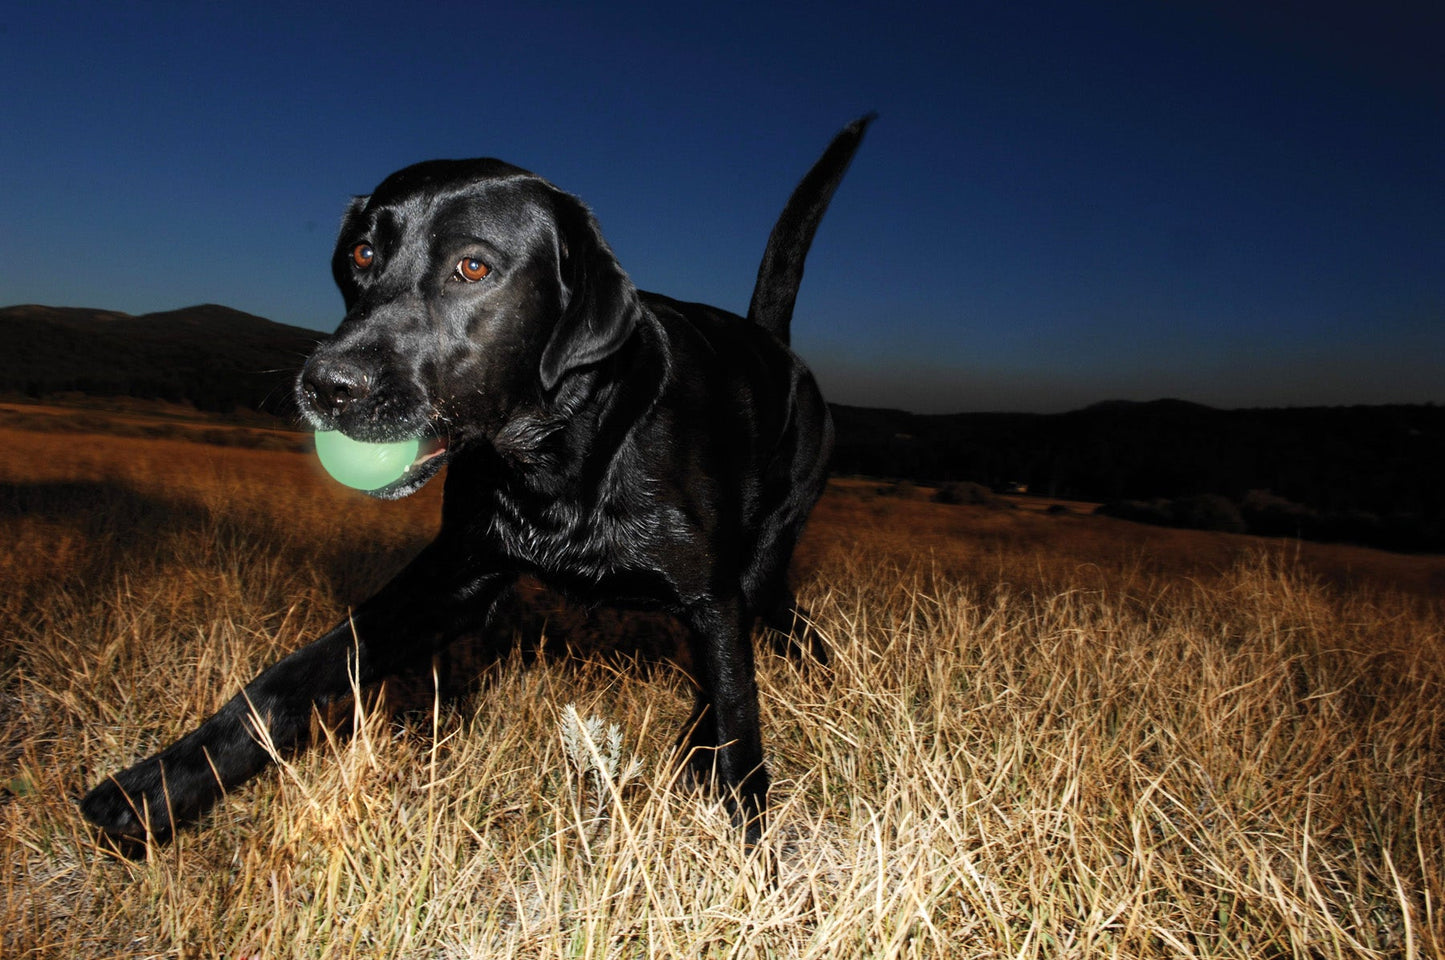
1041	736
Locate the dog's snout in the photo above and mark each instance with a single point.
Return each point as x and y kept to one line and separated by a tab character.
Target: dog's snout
332	386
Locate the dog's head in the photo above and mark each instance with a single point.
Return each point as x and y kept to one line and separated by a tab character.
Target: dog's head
474	290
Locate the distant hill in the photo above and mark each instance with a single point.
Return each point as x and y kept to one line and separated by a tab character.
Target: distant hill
214	357
1370	474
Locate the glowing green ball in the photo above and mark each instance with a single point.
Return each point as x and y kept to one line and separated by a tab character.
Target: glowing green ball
362	465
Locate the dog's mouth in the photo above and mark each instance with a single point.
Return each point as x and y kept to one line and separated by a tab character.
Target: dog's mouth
431	456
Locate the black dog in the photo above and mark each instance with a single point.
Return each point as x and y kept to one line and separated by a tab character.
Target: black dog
623	446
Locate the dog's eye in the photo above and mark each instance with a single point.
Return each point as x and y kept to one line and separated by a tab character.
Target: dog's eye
470	269
362	255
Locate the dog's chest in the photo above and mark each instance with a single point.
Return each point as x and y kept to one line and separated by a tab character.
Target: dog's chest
589	544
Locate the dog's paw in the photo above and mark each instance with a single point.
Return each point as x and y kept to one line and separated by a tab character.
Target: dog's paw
129	808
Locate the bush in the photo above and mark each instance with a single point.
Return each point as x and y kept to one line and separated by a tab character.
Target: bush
1273	516
1208	511
902	489
965	491
1158	512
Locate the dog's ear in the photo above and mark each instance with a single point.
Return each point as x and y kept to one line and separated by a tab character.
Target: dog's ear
600	307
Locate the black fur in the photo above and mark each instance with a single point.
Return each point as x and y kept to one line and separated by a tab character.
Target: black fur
623	446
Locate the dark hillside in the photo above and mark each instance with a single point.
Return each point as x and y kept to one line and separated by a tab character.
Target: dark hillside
1372	474
217	358
1368	474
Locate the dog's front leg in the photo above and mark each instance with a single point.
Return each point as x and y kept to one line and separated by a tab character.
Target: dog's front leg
726	718
413	615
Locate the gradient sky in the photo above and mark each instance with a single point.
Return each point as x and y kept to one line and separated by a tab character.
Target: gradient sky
1061	203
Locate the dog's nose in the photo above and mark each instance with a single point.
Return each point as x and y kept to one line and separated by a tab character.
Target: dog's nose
333	385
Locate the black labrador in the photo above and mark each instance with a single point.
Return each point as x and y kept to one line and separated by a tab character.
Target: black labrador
623	446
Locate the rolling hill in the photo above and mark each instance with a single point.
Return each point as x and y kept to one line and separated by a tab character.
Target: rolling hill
214	357
1367	473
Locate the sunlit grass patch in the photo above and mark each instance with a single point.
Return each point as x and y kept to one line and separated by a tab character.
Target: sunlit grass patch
1038	736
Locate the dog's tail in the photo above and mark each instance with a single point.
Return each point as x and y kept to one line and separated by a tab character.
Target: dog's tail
782	268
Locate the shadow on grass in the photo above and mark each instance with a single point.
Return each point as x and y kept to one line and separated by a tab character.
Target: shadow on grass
102	510
123	529
539	625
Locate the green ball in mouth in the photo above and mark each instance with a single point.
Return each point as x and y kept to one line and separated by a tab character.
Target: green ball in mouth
361	465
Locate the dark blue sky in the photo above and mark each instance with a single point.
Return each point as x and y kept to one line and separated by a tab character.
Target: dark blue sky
1237	204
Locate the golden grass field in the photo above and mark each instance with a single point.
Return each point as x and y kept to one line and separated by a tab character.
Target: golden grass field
1041	735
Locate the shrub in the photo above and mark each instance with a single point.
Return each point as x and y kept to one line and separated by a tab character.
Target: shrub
1274	516
1208	511
902	489
966	491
